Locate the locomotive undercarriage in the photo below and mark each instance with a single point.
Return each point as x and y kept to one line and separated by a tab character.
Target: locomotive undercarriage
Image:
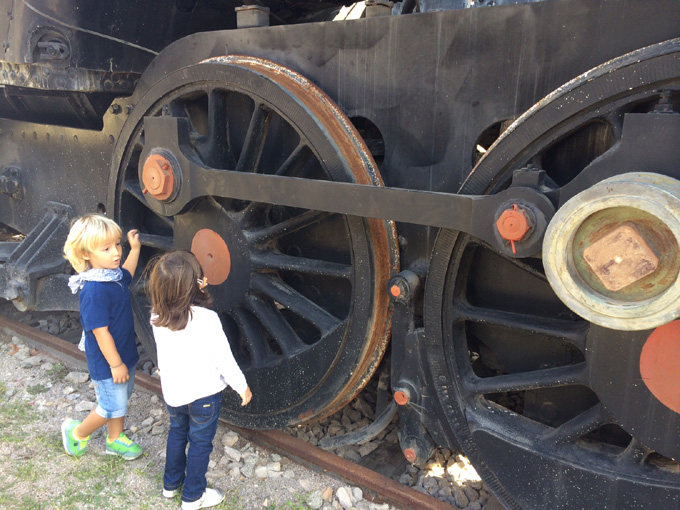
257	149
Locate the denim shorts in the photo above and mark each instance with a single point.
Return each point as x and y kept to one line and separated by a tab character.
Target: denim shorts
112	398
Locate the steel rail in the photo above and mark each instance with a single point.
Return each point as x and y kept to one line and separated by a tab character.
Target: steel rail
377	487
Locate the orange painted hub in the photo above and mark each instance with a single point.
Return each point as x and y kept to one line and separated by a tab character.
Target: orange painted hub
659	362
213	255
158	177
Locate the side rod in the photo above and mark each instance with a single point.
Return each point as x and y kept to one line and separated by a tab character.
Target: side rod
475	215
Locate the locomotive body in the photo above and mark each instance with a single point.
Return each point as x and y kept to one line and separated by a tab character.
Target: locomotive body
492	187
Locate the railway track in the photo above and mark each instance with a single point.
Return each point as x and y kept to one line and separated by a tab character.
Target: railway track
375	486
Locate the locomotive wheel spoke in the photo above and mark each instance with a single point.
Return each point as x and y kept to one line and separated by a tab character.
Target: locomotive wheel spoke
264	260
253	214
286	227
291	299
214	148
578	426
295	162
270	317
527	268
574	332
153	241
545	378
134	190
635	453
259	353
249	158
300	293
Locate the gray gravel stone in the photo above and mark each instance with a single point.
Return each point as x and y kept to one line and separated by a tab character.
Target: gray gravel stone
85	405
22	354
344	495
31	362
367	448
232	453
314	500
229	439
77	377
461	499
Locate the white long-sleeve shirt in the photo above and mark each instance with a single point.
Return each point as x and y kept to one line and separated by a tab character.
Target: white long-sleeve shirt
197	361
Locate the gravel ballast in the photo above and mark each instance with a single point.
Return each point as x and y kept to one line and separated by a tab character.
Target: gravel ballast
37	393
274	482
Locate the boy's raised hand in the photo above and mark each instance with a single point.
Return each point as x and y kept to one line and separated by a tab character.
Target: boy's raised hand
135	245
246	396
133	239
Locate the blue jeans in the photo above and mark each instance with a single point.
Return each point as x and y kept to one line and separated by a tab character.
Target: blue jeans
196	424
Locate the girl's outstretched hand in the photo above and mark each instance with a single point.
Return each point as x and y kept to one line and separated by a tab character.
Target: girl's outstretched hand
246	396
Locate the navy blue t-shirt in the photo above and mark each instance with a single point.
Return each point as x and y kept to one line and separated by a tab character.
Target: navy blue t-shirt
108	304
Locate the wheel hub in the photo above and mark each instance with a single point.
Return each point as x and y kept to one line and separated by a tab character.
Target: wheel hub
649	406
213	254
158	176
611	252
218	242
659	362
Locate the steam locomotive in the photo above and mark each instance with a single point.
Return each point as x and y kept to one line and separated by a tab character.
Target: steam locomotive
488	190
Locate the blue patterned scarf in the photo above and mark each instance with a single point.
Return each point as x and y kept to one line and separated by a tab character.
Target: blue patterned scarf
77	281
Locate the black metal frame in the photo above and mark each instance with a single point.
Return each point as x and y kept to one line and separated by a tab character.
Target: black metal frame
424	90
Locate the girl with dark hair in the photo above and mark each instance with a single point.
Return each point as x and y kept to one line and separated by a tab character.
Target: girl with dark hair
196	364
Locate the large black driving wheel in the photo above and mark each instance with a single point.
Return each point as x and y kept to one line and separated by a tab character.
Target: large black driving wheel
554	410
300	293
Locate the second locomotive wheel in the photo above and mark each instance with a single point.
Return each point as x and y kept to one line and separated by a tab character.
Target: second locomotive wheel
556	411
300	293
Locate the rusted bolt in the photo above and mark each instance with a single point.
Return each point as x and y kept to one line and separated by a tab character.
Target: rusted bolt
513	224
158	177
410	454
401	397
403	286
621	257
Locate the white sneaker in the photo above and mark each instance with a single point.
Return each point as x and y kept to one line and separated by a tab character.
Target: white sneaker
211	497
170	494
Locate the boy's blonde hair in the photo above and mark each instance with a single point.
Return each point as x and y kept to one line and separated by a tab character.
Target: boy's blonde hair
88	233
